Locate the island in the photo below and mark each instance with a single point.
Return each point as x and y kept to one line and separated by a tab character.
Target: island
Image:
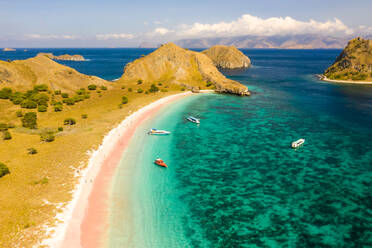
9	49
353	65
227	57
173	64
69	57
57	125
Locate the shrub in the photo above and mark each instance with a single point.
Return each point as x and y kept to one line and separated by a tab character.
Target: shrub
209	83
11	125
3	127
7	135
29	104
183	89
139	81
3	170
84	116
92	87
69	121
41	87
123	87
164	90
160	84
130	89
153	88
64	95
17	98
47	137
146	92
31	151
42	108
60	129
19	113
120	106
81	92
58	108
69	101
139	90
103	87
124	100
29	120
5	93
57	92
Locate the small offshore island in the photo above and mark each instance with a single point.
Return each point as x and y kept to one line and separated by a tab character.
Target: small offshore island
48	110
353	65
67	57
227	57
8	49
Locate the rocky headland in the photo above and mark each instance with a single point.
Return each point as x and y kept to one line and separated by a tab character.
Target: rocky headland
69	57
173	64
24	74
227	57
354	64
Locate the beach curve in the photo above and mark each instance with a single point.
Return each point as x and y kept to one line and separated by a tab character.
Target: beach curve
82	222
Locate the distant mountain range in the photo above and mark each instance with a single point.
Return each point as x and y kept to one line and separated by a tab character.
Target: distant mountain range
283	42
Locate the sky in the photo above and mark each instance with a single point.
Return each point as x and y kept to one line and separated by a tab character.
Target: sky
115	23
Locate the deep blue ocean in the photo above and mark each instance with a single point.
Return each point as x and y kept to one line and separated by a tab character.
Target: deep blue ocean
234	180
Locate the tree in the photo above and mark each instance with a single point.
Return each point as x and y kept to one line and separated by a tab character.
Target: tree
7	135
3	170
58	108
29	104
153	88
139	81
139	90
5	93
42	108
29	120
31	151
47	137
92	87
124	100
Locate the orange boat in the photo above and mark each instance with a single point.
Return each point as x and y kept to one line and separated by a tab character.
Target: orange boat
160	162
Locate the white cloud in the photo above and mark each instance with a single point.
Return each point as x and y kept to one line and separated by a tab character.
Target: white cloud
161	31
48	37
114	36
253	25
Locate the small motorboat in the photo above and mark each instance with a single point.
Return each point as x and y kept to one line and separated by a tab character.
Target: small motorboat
193	119
158	132
160	162
298	143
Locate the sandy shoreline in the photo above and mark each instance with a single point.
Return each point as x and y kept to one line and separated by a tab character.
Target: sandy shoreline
82	223
325	79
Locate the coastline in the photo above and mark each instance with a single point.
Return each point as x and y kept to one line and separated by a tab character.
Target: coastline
325	79
76	224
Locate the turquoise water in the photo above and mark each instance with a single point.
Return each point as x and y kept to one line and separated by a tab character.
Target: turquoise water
234	181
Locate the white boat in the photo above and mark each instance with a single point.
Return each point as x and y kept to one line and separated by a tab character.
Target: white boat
193	119
298	143
158	132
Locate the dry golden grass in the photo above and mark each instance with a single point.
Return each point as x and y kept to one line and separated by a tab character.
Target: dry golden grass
37	183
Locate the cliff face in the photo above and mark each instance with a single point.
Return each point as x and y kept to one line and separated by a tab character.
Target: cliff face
354	63
24	74
227	57
173	64
63	57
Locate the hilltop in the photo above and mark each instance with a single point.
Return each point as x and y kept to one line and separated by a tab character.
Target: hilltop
354	63
69	57
24	74
173	64
227	57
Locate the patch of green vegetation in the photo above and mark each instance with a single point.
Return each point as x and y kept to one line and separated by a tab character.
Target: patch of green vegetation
19	113
140	81
84	116
92	87
124	100
139	90
209	83
103	87
3	127
5	93
3	169
60	129
130	89
29	120
153	88
42	108
7	135
57	92
64	95
44	180
41	87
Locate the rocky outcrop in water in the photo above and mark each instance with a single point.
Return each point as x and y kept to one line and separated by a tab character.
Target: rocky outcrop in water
227	57
75	57
173	64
